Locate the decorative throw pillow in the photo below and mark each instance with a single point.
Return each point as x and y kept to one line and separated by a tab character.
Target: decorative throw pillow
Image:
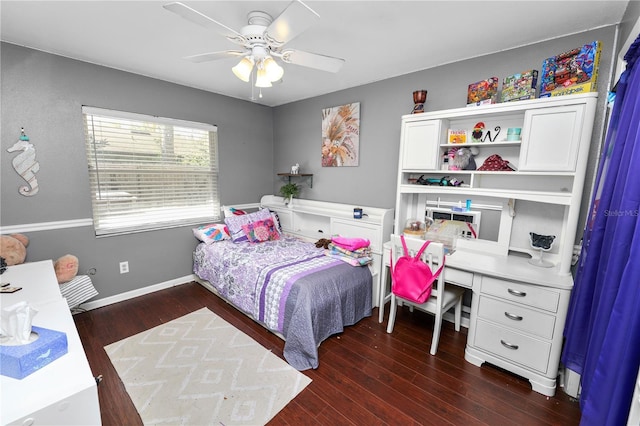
211	233
261	230
232	211
235	223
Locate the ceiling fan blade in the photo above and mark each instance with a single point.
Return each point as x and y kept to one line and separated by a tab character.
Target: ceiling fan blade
296	18
213	56
312	60
203	20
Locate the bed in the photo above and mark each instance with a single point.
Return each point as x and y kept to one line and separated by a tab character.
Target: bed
288	285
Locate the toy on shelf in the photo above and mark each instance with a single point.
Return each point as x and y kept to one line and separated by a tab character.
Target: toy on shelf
443	181
462	158
478	134
457	136
575	71
521	86
483	92
419	98
495	163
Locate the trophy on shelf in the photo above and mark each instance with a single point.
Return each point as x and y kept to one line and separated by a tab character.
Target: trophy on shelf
542	243
419	98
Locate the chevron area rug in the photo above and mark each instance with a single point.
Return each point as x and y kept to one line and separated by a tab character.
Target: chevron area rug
201	370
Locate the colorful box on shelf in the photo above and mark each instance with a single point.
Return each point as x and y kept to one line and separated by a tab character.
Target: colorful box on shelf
18	361
521	86
456	136
483	92
572	72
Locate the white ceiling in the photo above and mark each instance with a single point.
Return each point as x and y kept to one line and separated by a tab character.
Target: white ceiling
378	39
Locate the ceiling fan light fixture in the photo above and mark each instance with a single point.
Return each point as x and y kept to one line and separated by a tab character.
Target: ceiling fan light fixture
273	70
262	80
243	69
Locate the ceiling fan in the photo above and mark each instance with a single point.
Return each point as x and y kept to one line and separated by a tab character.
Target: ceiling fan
262	39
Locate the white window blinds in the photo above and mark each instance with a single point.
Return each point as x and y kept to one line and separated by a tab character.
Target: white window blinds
150	172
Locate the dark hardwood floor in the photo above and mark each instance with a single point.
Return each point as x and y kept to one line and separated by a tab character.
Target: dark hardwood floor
365	377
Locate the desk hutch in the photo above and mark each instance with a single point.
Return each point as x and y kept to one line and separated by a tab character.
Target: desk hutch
518	309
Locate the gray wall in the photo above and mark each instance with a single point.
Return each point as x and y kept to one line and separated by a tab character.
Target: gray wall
297	125
44	93
631	16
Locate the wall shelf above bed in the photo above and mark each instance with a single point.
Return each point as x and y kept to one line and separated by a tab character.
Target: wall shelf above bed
288	176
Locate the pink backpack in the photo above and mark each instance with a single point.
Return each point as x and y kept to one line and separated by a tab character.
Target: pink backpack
412	278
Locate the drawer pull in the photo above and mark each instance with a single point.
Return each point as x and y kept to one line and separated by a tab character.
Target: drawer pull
516	293
513	317
509	345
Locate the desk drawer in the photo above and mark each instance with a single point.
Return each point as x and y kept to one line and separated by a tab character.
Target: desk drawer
513	346
538	297
517	317
458	277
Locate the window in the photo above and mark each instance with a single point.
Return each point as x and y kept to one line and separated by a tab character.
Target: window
150	172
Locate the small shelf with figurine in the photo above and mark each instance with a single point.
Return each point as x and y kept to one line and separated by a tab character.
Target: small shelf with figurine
288	176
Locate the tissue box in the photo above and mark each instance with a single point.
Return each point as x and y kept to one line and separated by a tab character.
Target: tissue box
21	360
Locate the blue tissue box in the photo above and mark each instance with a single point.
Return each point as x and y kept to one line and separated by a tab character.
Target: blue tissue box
21	360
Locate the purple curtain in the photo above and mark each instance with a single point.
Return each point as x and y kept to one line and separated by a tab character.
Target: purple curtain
603	325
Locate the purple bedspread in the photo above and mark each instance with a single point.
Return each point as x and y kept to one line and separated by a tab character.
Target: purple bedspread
291	287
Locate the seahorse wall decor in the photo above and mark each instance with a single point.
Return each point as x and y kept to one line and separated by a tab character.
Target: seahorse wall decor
25	164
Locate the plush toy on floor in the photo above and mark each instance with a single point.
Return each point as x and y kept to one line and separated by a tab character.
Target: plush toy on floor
66	268
13	248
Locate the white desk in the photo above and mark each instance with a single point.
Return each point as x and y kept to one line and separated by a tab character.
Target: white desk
518	312
63	392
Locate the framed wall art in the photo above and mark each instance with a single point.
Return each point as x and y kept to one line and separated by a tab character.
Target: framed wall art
341	135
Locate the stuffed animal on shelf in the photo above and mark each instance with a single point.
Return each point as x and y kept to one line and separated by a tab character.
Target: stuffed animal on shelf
13	248
66	268
462	158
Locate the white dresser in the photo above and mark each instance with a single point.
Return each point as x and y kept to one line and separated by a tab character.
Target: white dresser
63	392
313	220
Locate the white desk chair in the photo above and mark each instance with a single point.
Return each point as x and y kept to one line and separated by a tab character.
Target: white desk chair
442	297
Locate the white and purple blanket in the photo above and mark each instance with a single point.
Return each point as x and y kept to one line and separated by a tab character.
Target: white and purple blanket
291	287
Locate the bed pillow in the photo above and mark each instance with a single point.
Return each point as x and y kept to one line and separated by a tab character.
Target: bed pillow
234	223
232	211
211	233
261	230
276	221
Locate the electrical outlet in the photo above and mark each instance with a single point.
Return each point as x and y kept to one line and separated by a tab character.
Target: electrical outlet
124	267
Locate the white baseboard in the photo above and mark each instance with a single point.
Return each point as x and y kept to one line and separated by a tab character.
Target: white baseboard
94	304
